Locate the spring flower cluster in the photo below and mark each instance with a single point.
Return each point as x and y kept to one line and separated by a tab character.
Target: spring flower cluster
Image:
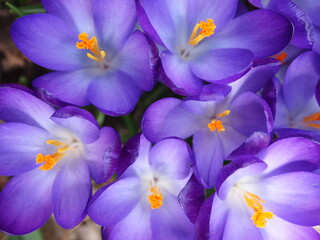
231	152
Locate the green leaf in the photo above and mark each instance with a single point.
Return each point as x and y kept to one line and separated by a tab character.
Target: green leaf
36	235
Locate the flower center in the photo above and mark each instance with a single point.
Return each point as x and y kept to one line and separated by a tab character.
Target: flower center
207	29
259	216
92	45
156	198
51	160
216	124
309	120
281	57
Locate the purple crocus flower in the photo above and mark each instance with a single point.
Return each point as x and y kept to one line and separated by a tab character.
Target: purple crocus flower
52	154
202	41
98	58
304	15
274	195
297	104
143	203
219	119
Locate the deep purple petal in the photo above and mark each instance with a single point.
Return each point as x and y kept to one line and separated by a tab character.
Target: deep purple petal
301	79
79	121
203	219
270	93
169	118
71	193
70	87
114	93
19	106
257	142
171	157
316	45
102	156
220	64
47	41
311	8
116	202
294	197
25	202
241	167
264	32
191	197
77	13
170	222
20	145
249	114
301	149
180	74
134	60
212	92
114	21
256	79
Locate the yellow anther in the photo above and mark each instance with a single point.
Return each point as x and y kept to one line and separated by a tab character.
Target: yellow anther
156	198
281	57
51	160
207	29
216	124
92	45
309	120
259	216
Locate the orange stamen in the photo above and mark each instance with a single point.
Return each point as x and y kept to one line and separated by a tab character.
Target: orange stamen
259	216
51	160
309	120
156	198
281	57
207	29
92	45
217	124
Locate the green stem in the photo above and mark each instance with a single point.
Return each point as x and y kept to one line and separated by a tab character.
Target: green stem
100	118
15	9
130	124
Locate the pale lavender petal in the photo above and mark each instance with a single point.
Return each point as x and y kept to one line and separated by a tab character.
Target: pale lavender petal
21	143
171	157
116	202
71	193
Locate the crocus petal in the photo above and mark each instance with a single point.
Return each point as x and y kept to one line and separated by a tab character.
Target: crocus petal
301	149
70	87
170	222
316	45
203	219
256	117
114	93
71	193
217	218
134	60
47	41
301	79
264	32
191	197
136	225
25	202
122	195
102	155
19	106
169	118
79	121
221	12
114	26
311	8
222	64
179	73
20	145
237	169
209	155
238	219
77	13
212	92
164	17
171	157
294	197
279	229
